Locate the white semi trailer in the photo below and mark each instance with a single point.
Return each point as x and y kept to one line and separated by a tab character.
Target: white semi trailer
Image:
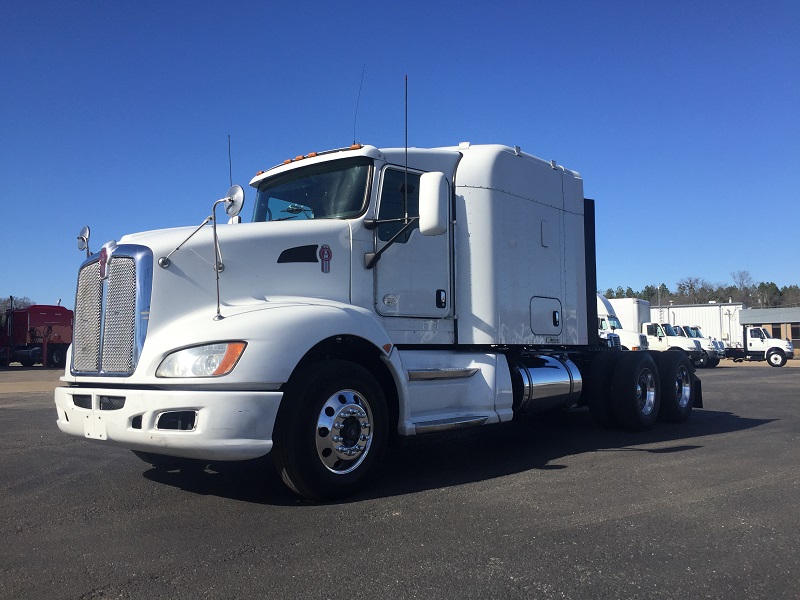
376	293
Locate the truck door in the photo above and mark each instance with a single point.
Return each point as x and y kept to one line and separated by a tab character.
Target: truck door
412	278
755	339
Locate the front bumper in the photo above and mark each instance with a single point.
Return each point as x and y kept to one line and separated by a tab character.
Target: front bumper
223	425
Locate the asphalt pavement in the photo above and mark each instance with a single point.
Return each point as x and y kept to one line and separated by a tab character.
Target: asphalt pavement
553	507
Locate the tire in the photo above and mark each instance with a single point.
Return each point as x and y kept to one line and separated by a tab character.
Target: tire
598	389
675	372
162	462
331	430
712	362
26	362
776	358
702	362
636	391
57	357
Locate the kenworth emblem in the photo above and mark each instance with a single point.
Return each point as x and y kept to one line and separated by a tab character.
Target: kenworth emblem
103	263
325	255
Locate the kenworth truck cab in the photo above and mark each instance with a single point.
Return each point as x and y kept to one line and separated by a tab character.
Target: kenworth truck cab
375	293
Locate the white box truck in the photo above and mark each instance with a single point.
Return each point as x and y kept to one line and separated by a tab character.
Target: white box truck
608	323
375	293
760	345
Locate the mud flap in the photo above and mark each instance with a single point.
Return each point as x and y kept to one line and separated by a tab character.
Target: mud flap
697	392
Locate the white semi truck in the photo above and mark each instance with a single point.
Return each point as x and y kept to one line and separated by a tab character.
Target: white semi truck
376	293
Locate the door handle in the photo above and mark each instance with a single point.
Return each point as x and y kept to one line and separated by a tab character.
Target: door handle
441	299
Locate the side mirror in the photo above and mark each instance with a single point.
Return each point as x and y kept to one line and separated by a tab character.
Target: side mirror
433	198
83	240
234	201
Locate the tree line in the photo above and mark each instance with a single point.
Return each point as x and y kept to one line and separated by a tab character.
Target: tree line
696	290
21	302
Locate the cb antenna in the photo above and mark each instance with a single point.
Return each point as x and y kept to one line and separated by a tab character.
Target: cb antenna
355	117
230	164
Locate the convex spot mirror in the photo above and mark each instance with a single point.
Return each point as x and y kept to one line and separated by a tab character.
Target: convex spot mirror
234	201
433	198
83	238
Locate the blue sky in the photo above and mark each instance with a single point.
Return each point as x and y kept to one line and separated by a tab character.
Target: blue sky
682	117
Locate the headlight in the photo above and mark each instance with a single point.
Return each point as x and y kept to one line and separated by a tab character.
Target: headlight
211	360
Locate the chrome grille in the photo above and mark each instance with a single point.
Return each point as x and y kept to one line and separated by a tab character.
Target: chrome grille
88	308
111	315
120	316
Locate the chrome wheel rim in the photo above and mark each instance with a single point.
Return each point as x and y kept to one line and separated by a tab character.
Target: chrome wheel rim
683	387
344	432
646	391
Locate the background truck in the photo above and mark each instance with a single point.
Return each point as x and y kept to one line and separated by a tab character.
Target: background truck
608	323
636	313
376	294
760	345
35	334
713	350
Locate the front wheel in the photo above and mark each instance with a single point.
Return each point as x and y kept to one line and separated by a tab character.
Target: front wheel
776	358
331	430
702	361
636	391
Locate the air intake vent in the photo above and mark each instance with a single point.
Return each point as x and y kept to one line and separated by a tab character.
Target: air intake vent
112	402
82	401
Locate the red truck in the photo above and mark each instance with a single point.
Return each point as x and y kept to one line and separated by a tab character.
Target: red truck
39	333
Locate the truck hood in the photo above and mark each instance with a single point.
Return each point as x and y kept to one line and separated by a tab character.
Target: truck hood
306	258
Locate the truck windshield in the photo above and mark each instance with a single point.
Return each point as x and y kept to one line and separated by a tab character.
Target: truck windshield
614	322
695	332
331	190
669	330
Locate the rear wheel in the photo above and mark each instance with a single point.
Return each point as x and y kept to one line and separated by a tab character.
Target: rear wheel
636	394
57	357
675	371
331	431
776	358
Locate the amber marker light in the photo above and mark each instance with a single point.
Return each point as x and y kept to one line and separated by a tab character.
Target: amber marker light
231	357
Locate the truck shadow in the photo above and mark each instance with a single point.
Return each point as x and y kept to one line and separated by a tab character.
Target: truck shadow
469	456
